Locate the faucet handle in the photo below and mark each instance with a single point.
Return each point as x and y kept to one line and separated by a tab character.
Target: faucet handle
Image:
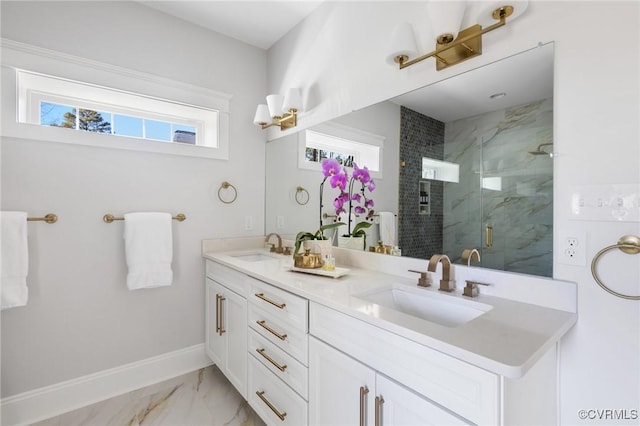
423	281
471	289
286	251
273	247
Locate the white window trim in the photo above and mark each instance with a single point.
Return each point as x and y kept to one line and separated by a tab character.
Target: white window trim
348	134
17	55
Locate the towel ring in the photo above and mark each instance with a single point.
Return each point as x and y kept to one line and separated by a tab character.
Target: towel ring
226	185
629	244
301	190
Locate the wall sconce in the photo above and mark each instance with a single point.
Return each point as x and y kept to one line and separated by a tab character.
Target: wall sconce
452	44
279	111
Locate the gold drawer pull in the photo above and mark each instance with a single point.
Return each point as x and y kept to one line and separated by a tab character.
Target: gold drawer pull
268	358
281	416
266	299
363	399
263	324
219	315
378	418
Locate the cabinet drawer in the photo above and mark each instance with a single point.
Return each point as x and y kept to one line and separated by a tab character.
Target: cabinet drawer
280	333
287	307
279	399
462	388
230	278
279	363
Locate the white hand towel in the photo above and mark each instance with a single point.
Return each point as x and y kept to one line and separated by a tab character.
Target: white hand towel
388	228
149	249
15	259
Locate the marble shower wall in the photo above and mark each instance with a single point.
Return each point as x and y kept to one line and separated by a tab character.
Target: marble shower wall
419	235
517	194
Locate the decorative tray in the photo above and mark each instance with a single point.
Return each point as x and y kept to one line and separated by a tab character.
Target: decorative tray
337	273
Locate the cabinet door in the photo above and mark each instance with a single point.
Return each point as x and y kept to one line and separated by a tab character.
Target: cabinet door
234	326
398	405
216	344
341	390
226	333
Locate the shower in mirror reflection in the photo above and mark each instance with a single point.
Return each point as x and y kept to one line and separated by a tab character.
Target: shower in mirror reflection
541	151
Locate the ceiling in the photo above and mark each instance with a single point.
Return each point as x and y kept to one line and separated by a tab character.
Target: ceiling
260	23
523	78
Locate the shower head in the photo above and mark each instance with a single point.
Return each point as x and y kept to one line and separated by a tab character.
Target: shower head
539	150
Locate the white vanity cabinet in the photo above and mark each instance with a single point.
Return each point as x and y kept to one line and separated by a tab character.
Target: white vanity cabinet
226	323
278	354
345	391
418	385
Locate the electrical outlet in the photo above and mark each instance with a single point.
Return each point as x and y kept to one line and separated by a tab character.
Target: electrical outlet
248	223
280	222
573	249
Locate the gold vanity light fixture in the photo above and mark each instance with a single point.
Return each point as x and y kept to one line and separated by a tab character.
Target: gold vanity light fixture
281	111
452	44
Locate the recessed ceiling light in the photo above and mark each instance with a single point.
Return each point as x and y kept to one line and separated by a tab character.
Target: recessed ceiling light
498	95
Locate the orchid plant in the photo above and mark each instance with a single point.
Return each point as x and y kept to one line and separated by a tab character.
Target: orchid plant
350	200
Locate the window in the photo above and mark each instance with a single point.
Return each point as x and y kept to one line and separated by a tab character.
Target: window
55	97
347	145
56	102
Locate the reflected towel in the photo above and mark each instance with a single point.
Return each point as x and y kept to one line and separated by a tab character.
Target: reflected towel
149	249
388	229
15	260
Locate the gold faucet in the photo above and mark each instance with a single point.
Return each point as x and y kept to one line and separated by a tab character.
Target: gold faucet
273	248
445	283
468	256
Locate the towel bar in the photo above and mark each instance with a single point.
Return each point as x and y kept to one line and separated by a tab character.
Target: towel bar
49	218
109	218
629	244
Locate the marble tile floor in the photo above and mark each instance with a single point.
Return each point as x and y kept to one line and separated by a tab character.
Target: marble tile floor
202	397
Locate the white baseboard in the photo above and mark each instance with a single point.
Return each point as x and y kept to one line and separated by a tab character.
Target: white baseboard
50	401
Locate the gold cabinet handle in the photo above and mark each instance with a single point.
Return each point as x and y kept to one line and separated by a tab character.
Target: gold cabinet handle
378	418
266	299
219	326
263	324
363	402
488	236
281	416
271	360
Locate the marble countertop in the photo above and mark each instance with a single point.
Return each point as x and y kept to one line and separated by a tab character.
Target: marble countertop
507	339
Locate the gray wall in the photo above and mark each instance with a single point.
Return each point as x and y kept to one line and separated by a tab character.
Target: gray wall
81	318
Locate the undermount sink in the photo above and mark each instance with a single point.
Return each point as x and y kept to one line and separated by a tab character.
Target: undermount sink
444	309
254	257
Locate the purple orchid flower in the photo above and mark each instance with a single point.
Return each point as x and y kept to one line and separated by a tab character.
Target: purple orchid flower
330	167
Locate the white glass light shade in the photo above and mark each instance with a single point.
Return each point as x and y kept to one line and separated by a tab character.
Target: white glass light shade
292	100
262	115
402	42
275	105
446	17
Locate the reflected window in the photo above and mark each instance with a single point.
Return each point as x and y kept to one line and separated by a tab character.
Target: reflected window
345	144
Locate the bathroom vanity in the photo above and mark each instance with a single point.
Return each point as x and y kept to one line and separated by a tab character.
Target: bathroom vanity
373	348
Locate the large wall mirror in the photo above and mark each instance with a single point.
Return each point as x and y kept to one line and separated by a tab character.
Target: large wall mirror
464	163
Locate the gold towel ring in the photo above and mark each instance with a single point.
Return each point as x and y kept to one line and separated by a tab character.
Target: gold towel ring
301	190
629	244
226	185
